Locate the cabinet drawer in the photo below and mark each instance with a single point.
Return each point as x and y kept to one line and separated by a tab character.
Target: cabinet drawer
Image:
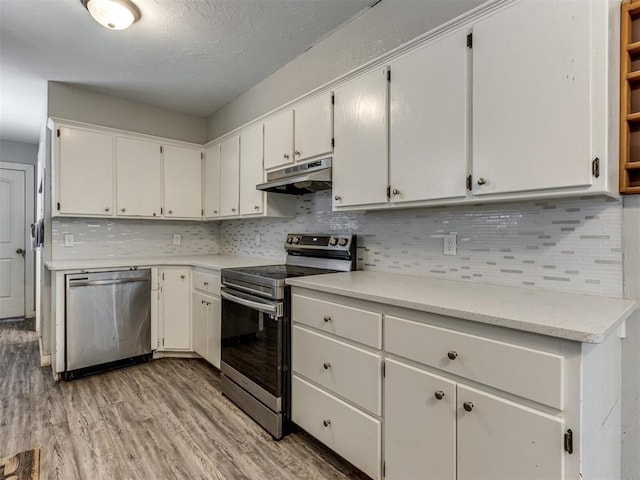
358	325
520	370
351	433
206	282
351	372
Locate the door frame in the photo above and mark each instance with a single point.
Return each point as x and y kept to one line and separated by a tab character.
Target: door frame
29	218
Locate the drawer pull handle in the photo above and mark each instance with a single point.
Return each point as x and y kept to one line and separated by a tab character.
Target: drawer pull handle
439	394
468	406
452	355
327	366
326	423
327	319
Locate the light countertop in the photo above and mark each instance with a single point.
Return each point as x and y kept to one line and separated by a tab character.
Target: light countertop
215	262
582	318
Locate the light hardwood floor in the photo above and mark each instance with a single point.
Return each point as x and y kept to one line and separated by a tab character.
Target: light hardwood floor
162	420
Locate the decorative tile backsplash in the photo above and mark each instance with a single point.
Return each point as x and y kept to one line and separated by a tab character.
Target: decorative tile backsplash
109	238
571	245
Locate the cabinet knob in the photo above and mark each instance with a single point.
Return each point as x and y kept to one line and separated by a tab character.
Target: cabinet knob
452	355
154	214
215	211
170	211
326	365
257	207
439	394
396	191
327	319
182	277
468	406
206	283
337	198
297	153
285	156
202	302
233	210
106	209
123	210
482	181
326	423
208	303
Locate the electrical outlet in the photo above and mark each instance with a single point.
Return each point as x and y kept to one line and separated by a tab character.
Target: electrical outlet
177	239
449	244
69	241
257	240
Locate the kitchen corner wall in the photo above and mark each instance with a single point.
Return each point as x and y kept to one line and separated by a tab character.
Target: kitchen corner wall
570	245
119	238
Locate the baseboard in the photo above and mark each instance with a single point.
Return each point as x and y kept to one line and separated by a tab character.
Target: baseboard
30	315
169	354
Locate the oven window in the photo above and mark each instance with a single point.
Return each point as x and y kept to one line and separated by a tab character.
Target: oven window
252	344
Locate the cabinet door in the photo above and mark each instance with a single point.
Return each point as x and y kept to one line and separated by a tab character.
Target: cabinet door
313	130
278	140
428	124
212	182
531	98
182	182
176	309
251	171
229	176
500	439
138	178
420	429
85	172
199	323
214	337
360	153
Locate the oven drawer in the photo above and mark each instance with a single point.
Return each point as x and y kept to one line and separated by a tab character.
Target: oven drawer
353	323
348	371
523	371
351	433
206	282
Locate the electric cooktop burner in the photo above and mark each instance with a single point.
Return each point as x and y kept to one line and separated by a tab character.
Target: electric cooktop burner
280	272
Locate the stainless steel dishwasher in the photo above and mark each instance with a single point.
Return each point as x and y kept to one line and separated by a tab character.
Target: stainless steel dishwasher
108	320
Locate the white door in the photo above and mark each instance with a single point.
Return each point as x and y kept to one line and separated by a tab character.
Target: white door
212	182
428	121
360	157
313	130
278	140
214	333
531	97
176	309
420	424
182	182
138	178
12	243
230	176
199	319
251	171
500	439
85	173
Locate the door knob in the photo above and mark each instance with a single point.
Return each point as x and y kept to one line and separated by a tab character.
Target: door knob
20	251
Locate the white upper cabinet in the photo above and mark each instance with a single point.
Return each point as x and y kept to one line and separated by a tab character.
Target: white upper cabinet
428	121
532	97
251	171
211	182
182	182
313	130
278	140
84	173
361	140
229	176
138	178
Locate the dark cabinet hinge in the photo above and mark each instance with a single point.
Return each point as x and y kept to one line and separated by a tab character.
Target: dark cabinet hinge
470	40
58	205
202	212
469	182
384	369
384	469
389	75
568	441
58	133
161	211
595	167
201	155
333	143
333	99
161	149
389	191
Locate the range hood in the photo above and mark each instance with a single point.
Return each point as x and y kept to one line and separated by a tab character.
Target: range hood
299	179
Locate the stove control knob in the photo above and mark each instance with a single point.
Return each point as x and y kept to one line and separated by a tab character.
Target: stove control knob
333	241
289	239
342	242
296	240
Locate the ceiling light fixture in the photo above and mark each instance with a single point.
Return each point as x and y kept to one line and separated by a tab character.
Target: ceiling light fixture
113	14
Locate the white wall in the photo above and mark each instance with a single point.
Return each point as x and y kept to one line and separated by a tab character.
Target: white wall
18	152
73	103
384	27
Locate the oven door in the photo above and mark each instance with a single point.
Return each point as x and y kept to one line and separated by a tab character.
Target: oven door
253	340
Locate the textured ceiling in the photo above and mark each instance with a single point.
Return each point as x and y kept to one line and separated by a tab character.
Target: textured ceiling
187	55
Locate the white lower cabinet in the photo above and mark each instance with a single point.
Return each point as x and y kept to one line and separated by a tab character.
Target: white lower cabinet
206	313
175	309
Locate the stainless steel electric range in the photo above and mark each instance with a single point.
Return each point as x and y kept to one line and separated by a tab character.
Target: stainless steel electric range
256	325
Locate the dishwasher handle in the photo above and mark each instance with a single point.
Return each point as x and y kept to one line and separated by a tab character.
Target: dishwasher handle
114	281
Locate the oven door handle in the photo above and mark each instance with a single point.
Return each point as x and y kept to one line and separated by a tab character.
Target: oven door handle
262	307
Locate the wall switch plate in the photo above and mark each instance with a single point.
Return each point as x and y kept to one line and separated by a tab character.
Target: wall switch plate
69	241
177	239
450	244
257	240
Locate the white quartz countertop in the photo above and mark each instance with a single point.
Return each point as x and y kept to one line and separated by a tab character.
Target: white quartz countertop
215	262
582	318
